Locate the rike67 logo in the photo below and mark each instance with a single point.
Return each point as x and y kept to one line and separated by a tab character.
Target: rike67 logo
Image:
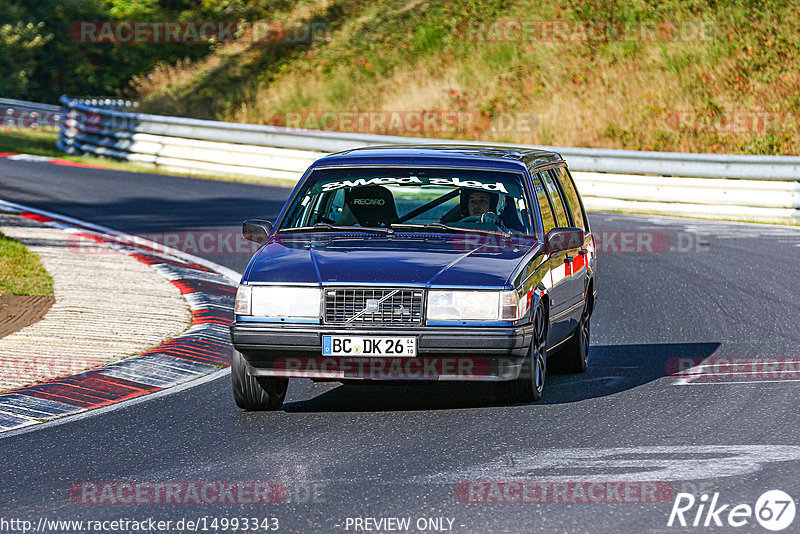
774	511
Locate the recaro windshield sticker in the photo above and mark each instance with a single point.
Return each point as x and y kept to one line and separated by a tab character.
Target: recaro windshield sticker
498	187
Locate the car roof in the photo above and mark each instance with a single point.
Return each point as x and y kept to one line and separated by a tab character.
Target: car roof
472	155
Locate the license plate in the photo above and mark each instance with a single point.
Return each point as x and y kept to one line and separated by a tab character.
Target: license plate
368	346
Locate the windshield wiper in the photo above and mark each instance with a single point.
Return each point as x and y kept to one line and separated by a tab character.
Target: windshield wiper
448	228
323	226
437	226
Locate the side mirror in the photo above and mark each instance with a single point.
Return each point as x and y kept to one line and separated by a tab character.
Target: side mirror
256	230
561	239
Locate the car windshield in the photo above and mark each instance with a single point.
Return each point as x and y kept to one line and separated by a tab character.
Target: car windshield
411	200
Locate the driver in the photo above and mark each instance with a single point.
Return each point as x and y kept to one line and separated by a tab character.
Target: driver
478	203
483	204
474	203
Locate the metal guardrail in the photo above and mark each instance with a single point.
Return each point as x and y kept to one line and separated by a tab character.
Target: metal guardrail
24	104
761	188
25	114
107	102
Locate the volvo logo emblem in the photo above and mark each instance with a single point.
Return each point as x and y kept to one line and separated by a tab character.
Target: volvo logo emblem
373	306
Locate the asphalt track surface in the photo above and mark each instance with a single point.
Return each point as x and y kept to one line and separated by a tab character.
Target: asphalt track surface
718	290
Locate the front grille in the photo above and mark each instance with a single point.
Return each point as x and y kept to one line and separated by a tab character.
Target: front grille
348	306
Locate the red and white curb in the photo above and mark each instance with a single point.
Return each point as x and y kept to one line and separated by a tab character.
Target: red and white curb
202	350
14	156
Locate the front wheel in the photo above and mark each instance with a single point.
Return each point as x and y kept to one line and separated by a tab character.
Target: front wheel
255	393
528	387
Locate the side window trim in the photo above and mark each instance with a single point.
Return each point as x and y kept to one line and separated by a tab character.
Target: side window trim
547	195
563	196
560	196
535	216
580	199
537	176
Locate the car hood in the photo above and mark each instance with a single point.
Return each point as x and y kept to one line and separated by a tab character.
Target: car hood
441	259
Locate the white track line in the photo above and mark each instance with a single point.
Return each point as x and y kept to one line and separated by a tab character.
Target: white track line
715	382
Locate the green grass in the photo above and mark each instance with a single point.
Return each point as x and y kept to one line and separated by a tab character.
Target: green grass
29	141
21	272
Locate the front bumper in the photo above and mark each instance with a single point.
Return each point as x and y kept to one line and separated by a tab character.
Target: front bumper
443	353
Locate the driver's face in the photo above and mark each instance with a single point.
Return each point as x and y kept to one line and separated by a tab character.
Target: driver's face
478	203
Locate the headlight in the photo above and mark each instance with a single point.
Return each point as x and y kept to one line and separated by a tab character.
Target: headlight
475	306
277	301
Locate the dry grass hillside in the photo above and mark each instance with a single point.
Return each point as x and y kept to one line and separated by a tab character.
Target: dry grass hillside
683	75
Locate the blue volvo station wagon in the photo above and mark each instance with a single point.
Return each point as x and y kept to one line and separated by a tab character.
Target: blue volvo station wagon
434	262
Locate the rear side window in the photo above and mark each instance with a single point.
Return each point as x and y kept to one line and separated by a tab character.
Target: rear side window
555	198
574	202
544	205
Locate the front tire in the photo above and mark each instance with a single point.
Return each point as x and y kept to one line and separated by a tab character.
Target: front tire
529	386
255	393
